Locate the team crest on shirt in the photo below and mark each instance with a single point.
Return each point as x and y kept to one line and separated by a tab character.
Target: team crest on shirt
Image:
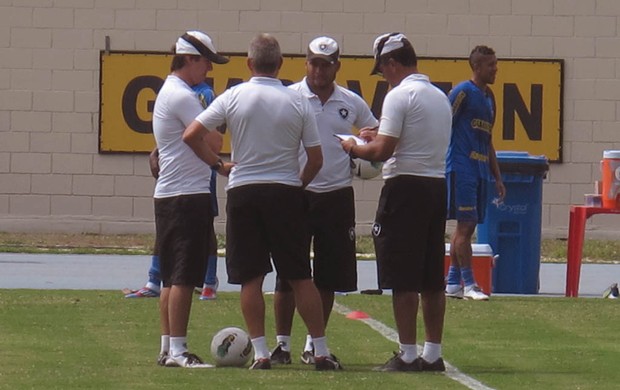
376	229
352	234
344	113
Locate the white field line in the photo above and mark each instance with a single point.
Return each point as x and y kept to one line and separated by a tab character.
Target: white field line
390	334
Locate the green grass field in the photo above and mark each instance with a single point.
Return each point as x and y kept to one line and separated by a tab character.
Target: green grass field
60	339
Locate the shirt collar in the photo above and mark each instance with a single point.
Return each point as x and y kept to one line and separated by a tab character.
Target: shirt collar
336	95
265	80
416	77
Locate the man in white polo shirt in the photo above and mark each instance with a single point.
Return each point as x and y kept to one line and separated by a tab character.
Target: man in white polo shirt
183	213
331	213
409	228
265	205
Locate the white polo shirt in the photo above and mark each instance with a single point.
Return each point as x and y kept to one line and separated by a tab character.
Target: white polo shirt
341	112
181	172
268	122
419	115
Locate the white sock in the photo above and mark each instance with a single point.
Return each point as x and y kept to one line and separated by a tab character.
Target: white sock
153	286
260	348
284	342
178	345
309	346
431	352
165	343
320	346
409	352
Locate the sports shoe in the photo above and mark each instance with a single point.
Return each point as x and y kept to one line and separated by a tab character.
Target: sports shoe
208	294
307	357
162	359
396	363
437	365
280	356
611	292
209	291
327	363
474	292
261	364
454	291
186	360
144	292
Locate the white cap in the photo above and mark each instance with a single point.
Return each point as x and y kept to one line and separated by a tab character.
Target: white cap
199	44
325	48
391	42
385	44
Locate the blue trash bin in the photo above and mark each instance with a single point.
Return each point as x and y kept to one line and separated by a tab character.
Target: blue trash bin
513	228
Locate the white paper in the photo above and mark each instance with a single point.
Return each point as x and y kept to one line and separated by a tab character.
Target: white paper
344	137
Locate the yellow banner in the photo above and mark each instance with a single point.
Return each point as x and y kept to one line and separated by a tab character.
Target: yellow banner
528	96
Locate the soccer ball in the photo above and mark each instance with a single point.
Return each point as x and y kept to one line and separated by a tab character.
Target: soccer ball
231	347
366	169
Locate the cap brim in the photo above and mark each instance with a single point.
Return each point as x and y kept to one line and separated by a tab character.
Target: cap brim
375	69
329	59
216	58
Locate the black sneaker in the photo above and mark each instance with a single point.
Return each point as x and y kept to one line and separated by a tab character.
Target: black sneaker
162	359
261	364
396	363
280	356
307	357
437	365
611	292
327	363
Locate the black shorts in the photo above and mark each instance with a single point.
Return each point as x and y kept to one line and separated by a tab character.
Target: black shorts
331	225
212	243
265	222
409	234
183	226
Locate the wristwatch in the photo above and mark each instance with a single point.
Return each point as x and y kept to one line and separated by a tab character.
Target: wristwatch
216	167
351	153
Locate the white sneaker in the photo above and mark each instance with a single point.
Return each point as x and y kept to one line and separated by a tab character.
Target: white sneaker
474	292
187	360
454	291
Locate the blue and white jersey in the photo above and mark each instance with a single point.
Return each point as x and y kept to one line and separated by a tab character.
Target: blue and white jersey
473	115
205	93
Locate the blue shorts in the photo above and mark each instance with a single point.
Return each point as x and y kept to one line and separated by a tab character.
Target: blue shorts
466	197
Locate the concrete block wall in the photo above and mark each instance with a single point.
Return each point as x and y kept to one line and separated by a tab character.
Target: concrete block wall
53	179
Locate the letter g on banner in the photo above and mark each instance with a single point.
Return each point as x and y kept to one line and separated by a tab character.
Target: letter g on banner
130	102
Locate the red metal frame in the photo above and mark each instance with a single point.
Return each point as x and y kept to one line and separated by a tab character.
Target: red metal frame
576	231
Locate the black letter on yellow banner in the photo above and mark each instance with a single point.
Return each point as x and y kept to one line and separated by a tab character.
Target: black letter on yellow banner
130	100
531	120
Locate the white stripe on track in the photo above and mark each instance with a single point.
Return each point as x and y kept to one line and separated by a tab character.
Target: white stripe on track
390	334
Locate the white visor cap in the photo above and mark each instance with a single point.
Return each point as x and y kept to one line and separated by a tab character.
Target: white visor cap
199	44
